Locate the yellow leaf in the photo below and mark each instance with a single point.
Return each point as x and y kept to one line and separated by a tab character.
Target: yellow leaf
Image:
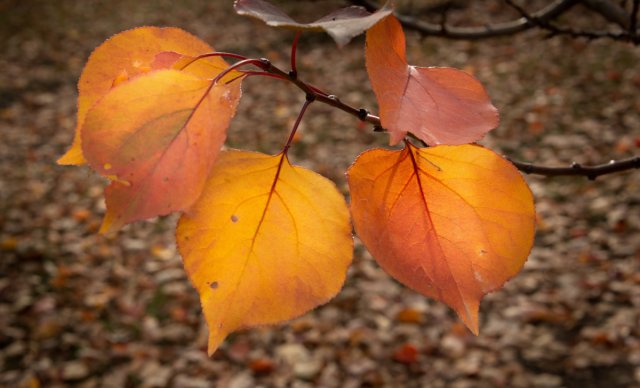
266	242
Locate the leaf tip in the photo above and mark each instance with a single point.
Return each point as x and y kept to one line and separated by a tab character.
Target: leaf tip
475	329
110	224
469	315
215	339
396	136
211	349
73	157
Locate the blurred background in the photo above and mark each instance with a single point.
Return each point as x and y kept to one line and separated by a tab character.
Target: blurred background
81	309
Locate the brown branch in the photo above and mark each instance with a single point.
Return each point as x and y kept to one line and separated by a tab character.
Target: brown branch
331	100
554	30
548	13
633	20
541	19
610	11
590	172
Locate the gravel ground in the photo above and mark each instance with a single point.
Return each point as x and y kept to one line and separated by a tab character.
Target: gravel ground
80	309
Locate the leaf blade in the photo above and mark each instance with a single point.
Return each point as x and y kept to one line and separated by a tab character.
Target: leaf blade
274	239
432	222
437	104
156	137
342	25
129	53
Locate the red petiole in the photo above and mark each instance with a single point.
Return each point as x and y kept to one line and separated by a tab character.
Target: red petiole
214	54
294	49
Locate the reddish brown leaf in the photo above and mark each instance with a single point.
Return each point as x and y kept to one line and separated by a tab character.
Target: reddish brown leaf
343	24
439	105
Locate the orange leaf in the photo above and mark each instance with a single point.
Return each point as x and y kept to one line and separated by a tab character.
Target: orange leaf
406	354
266	242
409	315
439	105
157	137
451	222
124	56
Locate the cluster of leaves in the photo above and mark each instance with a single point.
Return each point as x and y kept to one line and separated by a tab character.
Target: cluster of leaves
264	241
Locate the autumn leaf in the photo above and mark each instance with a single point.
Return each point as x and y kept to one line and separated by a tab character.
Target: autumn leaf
123	57
343	24
406	354
451	222
156	137
265	243
439	105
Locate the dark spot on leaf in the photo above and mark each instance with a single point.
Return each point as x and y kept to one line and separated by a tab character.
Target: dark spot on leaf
165	179
234	218
213	285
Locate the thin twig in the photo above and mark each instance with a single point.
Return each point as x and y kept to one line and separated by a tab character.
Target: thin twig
310	98
550	12
260	73
213	54
590	172
609	10
633	22
321	97
294	50
541	19
260	63
445	16
554	30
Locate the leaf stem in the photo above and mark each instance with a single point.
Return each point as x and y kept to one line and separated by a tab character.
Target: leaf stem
213	54
310	98
323	97
262	73
294	49
261	63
